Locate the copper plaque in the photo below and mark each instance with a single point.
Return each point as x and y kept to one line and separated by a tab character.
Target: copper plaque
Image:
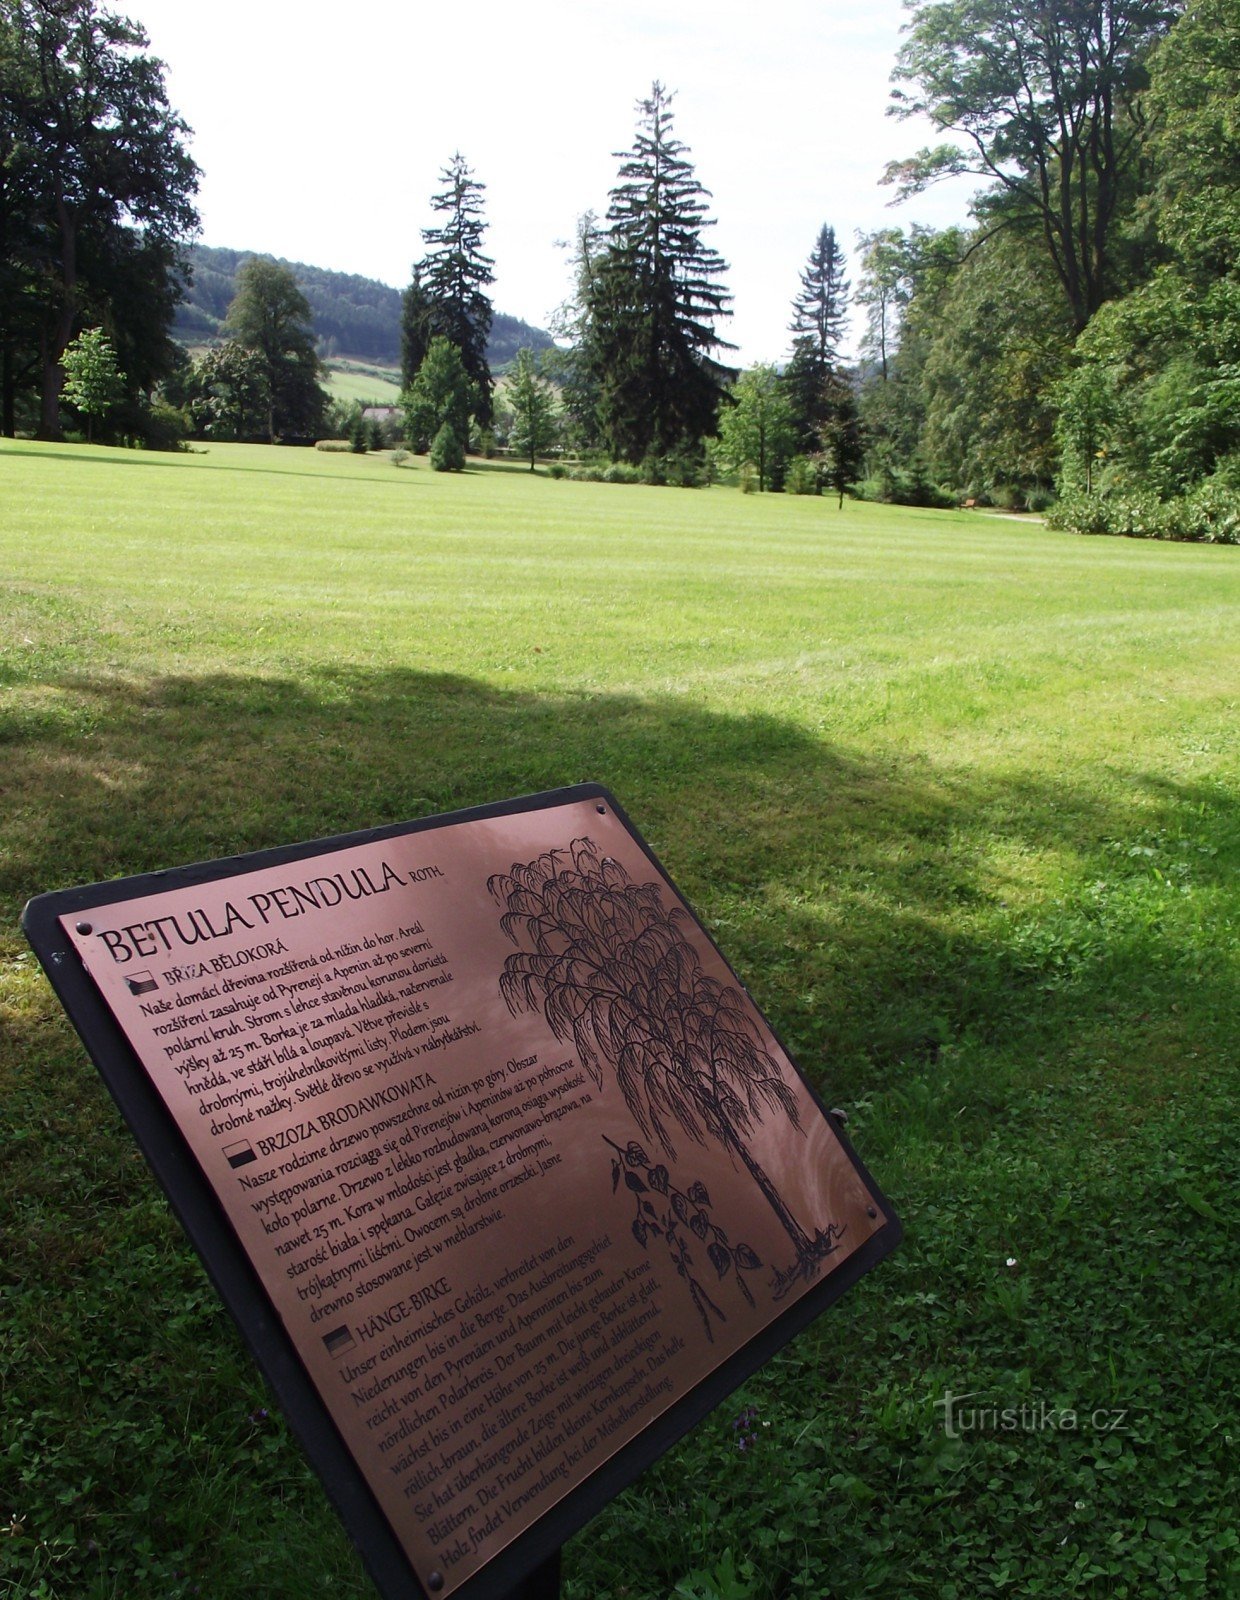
514	1157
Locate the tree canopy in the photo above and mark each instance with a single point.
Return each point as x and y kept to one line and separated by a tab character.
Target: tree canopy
271	317
96	196
1043	103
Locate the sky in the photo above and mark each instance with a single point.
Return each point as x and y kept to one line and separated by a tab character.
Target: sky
322	131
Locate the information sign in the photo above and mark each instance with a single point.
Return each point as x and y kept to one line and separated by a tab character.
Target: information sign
501	1171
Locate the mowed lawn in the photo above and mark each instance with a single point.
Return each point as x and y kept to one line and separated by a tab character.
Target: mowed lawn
957	796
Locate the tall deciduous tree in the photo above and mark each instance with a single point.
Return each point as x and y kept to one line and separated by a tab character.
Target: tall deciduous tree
1044	102
92	153
447	297
819	317
655	299
884	292
270	316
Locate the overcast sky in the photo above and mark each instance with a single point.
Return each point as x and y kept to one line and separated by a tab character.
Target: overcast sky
321	131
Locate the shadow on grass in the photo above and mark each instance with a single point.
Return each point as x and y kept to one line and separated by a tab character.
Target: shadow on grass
865	902
862	899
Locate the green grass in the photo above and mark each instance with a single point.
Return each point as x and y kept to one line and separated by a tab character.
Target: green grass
958	797
373	386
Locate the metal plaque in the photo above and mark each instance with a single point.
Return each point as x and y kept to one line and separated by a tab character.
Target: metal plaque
494	1159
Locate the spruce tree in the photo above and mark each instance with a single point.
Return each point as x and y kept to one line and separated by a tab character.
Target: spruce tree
655	299
447	297
415	334
819	316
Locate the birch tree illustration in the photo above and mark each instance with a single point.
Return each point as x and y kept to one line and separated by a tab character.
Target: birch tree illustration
612	970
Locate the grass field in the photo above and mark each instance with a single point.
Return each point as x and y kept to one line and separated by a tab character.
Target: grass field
959	799
373	386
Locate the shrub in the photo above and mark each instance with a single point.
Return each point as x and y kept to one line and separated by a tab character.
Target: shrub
332	444
801	478
164	427
447	451
557	469
1210	514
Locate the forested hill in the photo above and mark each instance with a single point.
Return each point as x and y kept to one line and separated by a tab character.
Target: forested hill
357	317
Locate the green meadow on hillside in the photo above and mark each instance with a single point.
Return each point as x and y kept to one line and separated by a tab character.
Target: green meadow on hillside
957	796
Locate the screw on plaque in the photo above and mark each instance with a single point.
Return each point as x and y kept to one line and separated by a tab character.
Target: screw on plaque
840	1115
602	810
85	927
870	1211
434	1581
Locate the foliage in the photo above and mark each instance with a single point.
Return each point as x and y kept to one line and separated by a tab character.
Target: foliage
534	427
94	384
924	263
654	300
447	297
841	443
883	290
1085	425
819	319
227	393
1194	91
447	451
270	317
1209	514
440	394
96	195
1044	104
757	428
998	342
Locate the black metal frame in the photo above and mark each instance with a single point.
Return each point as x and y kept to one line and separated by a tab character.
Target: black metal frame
529	1566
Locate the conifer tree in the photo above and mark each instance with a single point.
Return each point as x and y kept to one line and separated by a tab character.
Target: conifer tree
533	408
655	299
415	335
819	315
447	297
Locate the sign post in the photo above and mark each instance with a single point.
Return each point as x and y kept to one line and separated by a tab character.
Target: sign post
503	1175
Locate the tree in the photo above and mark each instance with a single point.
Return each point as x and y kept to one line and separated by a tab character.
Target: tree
757	429
447	297
415	329
94	384
840	441
1045	103
1157	384
533	408
575	369
441	393
92	155
447	450
654	299
819	316
227	393
1194	90
999	342
270	316
884	292
611	970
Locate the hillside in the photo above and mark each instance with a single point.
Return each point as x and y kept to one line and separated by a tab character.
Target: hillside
354	317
